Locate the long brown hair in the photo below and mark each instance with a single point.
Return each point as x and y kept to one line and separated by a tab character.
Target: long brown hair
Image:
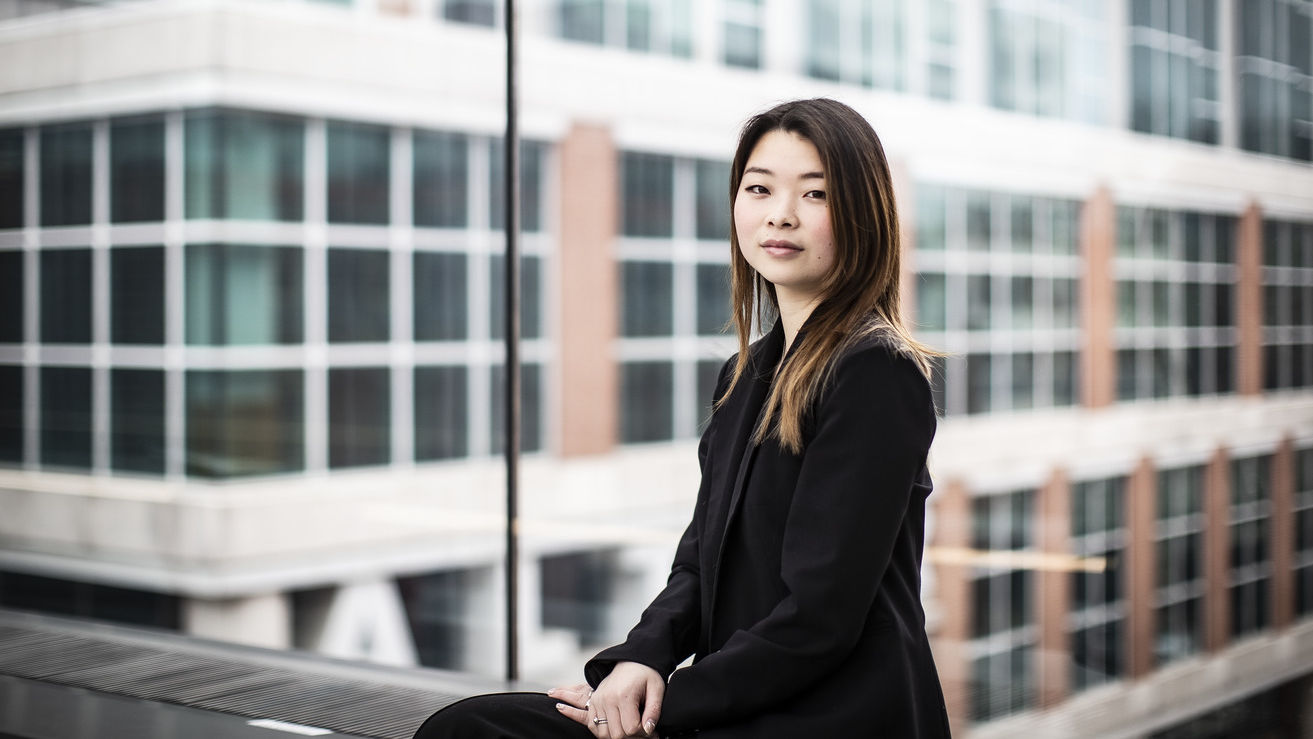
860	296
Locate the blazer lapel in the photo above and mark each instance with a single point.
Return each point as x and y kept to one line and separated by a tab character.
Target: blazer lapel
748	400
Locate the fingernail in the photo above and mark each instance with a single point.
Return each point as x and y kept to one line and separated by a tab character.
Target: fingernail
560	706
649	727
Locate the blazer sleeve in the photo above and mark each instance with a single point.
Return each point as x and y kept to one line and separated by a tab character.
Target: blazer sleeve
873	427
669	628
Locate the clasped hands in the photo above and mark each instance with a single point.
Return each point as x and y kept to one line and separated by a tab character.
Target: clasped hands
626	704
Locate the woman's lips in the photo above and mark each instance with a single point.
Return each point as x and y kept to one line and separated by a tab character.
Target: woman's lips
780	248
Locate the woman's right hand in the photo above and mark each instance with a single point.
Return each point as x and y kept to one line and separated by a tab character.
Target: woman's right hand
628	702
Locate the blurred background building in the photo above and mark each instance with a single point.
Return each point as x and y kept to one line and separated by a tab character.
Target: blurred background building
250	315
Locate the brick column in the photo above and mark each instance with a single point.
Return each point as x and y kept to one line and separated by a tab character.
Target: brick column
587	375
1054	529
1098	304
1217	551
1283	534
1249	302
1141	553
953	532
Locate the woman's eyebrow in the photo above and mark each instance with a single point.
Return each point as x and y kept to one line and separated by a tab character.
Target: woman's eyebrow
768	173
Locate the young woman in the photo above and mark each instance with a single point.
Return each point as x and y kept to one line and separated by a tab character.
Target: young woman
796	587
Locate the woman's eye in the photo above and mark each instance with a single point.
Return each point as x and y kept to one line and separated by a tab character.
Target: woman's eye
755	189
816	195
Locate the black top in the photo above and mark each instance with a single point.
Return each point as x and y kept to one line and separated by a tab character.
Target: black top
796	586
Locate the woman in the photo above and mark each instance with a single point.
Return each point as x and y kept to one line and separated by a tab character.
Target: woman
796	587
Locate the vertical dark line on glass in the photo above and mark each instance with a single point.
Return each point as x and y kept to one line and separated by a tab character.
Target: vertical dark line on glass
511	222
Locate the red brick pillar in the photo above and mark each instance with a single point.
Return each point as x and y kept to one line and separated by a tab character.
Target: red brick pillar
1054	529
1141	553
953	535
1098	242
1249	302
1217	551
1283	534
588	378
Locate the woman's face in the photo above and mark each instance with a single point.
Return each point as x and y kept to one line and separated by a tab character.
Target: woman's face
782	219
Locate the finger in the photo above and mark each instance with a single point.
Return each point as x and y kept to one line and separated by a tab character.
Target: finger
574	714
630	721
575	695
656	691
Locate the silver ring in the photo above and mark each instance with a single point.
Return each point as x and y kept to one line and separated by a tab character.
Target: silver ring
598	720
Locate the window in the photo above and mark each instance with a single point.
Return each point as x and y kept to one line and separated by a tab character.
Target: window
1004	637
647	289
137	420
1179	576
66	417
66	174
11	414
531	417
358	286
243	294
476	12
530	297
1097	622
656	26
858	42
245	422
65	296
12	175
1049	58
1303	563
244	165
1251	557
741	39
1275	78
648	194
136	294
1287	305
992	265
441	412
359	173
12	296
136	169
532	156
1175	69
1175	322
359	416
440	300
441	179
646	389
86	600
712	194
941	38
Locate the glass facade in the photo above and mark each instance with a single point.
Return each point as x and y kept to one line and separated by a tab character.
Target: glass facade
12	175
674	293
136	289
359	173
1050	58
1097	620
1287	305
1251	548
1179	561
1303	564
66	174
1274	77
857	42
244	422
243	294
136	169
1176	324
1004	637
244	165
1176	69
65	296
655	26
991	265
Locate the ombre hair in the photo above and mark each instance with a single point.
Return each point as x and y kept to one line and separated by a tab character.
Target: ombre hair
860	296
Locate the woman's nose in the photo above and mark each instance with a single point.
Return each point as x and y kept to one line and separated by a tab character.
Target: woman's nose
782	218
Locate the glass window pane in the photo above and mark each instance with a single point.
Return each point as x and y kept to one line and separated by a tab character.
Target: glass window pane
66	417
359	173
359	416
742	45
931	220
137	420
979	389
978	221
12	174
647	299
66	174
359	289
646	412
244	165
1023	381
441	302
648	205
713	298
441	179
823	47
66	296
1065	304
1023	302
243	294
978	302
1065	380
441	412
713	216
11	414
12	294
136	294
478	12
931	302
532	155
530	297
1023	225
531	415
136	169
581	20
247	422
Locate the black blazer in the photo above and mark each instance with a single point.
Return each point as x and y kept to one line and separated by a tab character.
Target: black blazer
796	587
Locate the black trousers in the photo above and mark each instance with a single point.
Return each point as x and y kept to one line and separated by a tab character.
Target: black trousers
502	716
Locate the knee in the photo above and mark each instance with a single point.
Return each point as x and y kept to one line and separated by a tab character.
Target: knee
460	720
